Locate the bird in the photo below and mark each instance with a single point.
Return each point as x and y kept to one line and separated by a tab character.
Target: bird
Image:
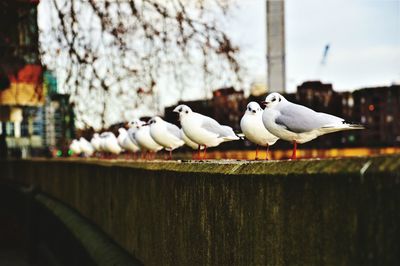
86	147
75	147
110	143
96	142
203	130
165	134
297	123
126	142
188	141
133	127
144	139
253	128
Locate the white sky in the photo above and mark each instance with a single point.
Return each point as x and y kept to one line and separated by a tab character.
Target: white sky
364	38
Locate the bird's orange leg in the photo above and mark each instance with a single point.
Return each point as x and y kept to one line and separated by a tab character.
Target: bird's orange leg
205	153
294	157
198	152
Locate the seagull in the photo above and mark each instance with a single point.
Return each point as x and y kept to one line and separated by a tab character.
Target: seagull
75	147
202	129
134	126
86	147
253	128
188	141
96	142
297	123
125	141
144	139
110	143
165	134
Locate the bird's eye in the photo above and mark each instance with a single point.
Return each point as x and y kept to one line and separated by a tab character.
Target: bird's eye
273	100
249	109
279	99
187	111
180	110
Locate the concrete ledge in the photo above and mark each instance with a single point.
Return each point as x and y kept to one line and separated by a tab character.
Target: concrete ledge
307	212
388	163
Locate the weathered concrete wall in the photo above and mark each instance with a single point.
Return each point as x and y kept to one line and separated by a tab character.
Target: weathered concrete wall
312	212
40	230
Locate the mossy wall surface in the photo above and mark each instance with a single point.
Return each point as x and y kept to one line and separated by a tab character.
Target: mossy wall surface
307	212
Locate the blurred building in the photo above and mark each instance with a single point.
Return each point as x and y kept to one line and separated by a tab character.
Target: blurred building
228	106
379	109
21	84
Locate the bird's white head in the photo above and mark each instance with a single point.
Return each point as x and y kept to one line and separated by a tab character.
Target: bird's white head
253	108
182	110
121	130
136	123
273	100
154	120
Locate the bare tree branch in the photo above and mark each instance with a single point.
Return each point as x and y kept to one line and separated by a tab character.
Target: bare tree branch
113	54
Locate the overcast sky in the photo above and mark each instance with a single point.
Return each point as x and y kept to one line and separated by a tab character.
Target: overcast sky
364	38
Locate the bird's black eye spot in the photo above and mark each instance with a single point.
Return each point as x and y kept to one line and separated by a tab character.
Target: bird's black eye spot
180	110
279	99
187	111
273	100
249	109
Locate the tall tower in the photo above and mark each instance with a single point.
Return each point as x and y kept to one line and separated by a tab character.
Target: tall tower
276	45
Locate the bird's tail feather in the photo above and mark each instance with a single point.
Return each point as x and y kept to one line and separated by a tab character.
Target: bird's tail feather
230	138
343	126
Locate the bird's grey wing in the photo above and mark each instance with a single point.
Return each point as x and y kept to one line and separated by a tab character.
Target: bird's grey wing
173	129
299	119
131	135
213	126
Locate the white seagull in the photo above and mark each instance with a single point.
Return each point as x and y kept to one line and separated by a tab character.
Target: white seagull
96	142
297	123
125	141
165	134
188	141
253	128
134	126
202	129
75	147
86	147
110	143
144	139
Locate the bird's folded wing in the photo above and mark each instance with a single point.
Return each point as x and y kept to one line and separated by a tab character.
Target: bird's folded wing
131	135
173	129
213	126
299	119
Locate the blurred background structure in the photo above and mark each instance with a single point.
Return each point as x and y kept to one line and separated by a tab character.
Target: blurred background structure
276	61
33	115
